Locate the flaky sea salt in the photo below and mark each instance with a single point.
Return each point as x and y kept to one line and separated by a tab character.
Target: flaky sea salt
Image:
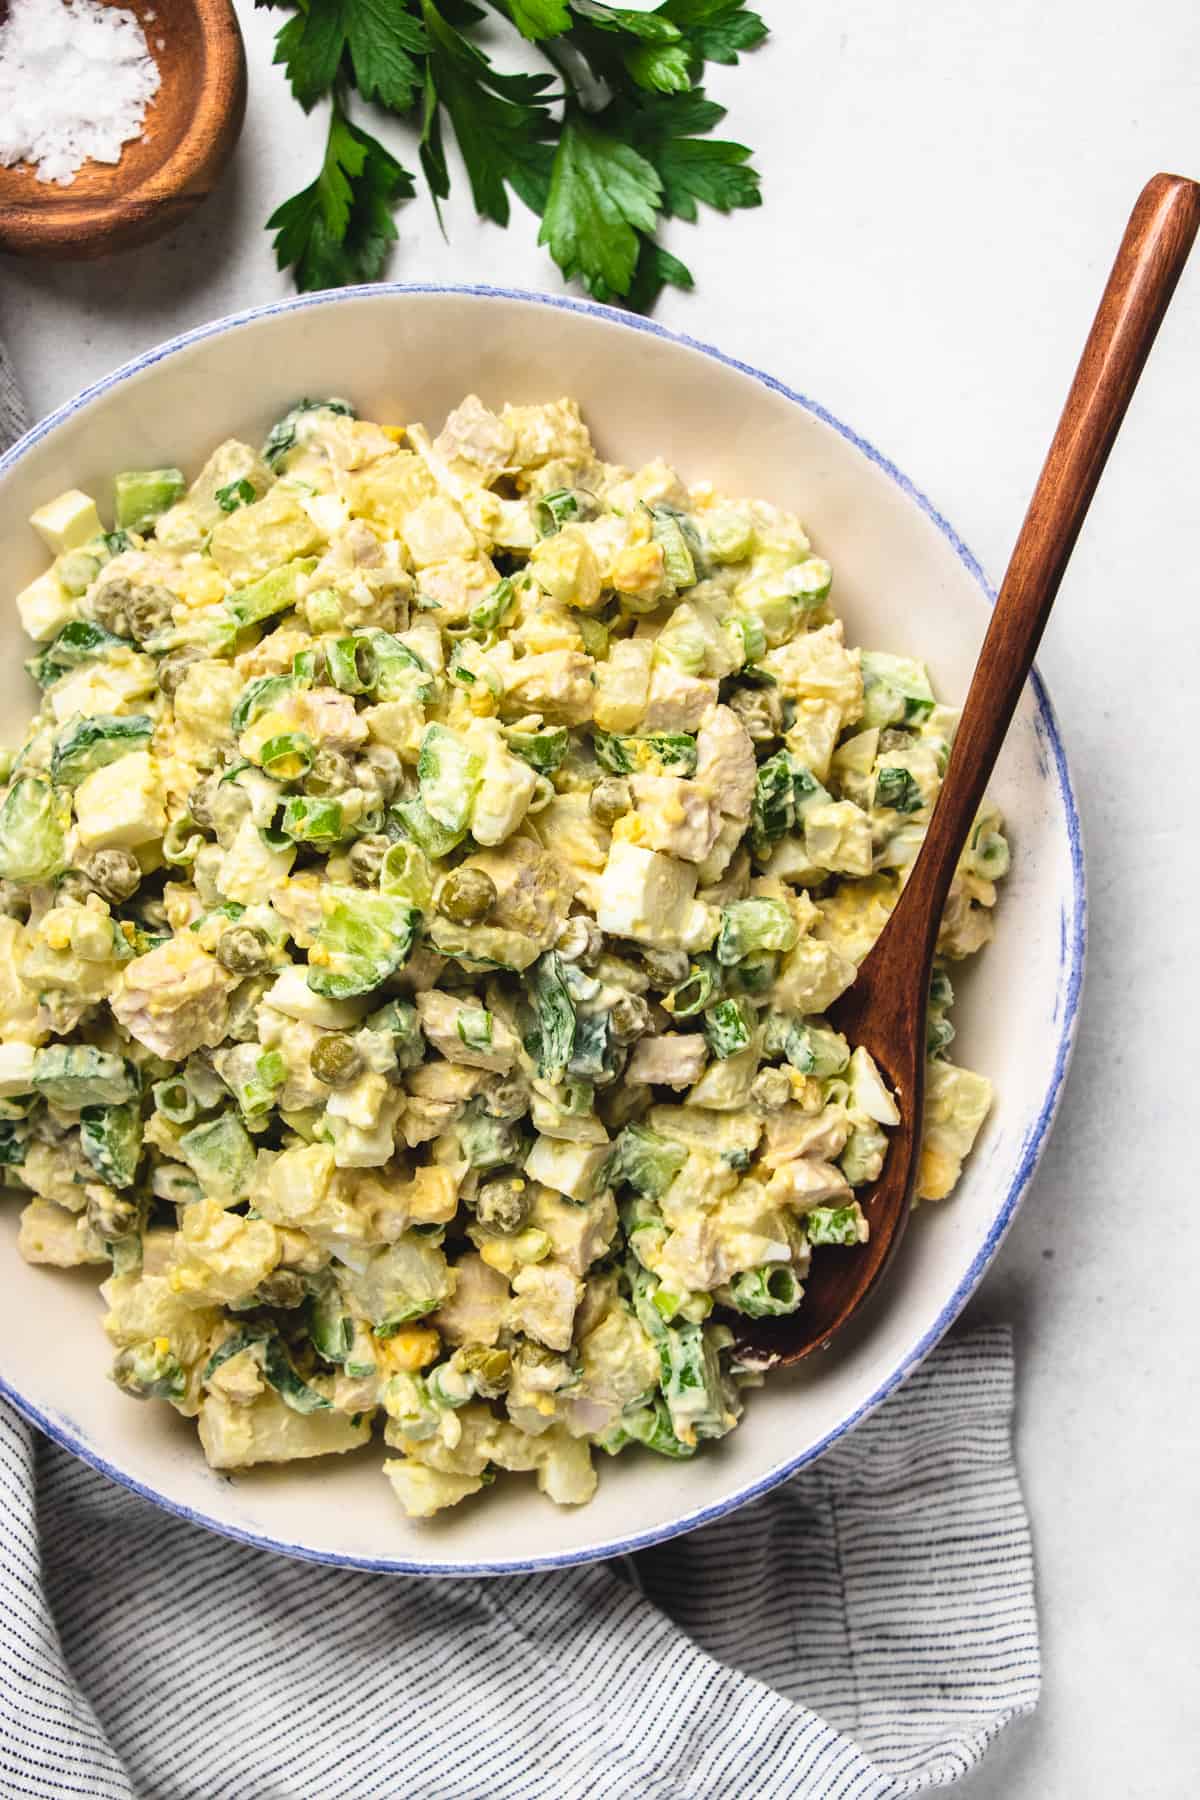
75	81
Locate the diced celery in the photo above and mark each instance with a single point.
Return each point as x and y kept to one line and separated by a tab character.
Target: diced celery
751	925
362	938
33	830
75	1075
272	593
140	495
220	1155
449	772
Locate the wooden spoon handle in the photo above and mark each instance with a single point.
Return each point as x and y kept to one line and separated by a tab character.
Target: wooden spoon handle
1148	265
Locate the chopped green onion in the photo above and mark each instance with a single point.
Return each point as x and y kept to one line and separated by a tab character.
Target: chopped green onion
313	821
288	756
492	608
729	1027
353	664
182	841
554	510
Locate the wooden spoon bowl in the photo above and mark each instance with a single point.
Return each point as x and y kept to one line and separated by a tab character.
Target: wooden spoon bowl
190	129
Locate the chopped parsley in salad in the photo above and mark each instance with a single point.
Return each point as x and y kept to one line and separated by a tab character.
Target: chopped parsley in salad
424	881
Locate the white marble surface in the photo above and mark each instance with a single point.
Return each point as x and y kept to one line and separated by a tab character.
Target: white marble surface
945	187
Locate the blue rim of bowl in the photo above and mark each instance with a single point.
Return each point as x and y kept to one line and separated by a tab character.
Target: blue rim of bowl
1073	952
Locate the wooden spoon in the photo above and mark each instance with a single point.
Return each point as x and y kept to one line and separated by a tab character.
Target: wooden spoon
885	1009
191	127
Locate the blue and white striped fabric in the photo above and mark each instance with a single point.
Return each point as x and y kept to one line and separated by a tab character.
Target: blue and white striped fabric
860	1634
13	420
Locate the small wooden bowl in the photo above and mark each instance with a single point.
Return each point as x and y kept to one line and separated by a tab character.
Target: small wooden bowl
190	129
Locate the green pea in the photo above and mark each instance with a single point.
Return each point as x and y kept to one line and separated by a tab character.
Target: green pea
244	950
336	1060
467	896
503	1205
610	800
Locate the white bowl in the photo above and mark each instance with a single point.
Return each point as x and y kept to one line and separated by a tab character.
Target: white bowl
904	583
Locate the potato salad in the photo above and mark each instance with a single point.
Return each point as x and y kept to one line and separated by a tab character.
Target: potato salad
424	882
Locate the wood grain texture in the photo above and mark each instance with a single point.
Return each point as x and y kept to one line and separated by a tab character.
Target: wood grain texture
192	125
885	1009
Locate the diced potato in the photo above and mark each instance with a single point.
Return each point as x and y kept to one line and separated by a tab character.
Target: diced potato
811	976
49	1234
66	522
676	702
236	1437
203	702
676	816
44	607
566	1167
623	684
434	530
837	836
956	1104
651	898
543	432
545	1296
817	666
257	538
400	724
466	1032
813	734
565	566
120	806
219	1258
422	1491
302	1189
388	489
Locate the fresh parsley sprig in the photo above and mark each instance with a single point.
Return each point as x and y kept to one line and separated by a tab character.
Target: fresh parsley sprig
612	138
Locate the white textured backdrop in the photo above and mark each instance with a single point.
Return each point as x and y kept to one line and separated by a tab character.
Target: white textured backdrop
945	185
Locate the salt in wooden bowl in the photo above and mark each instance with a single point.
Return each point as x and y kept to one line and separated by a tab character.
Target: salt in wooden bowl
190	129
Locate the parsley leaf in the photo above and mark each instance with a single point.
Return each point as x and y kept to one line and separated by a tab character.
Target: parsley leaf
339	229
666	68
658	58
497	120
651	26
717	30
656	269
310	47
380	37
693	168
383	41
540	18
602	192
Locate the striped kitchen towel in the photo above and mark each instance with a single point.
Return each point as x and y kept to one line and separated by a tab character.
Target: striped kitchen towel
864	1631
